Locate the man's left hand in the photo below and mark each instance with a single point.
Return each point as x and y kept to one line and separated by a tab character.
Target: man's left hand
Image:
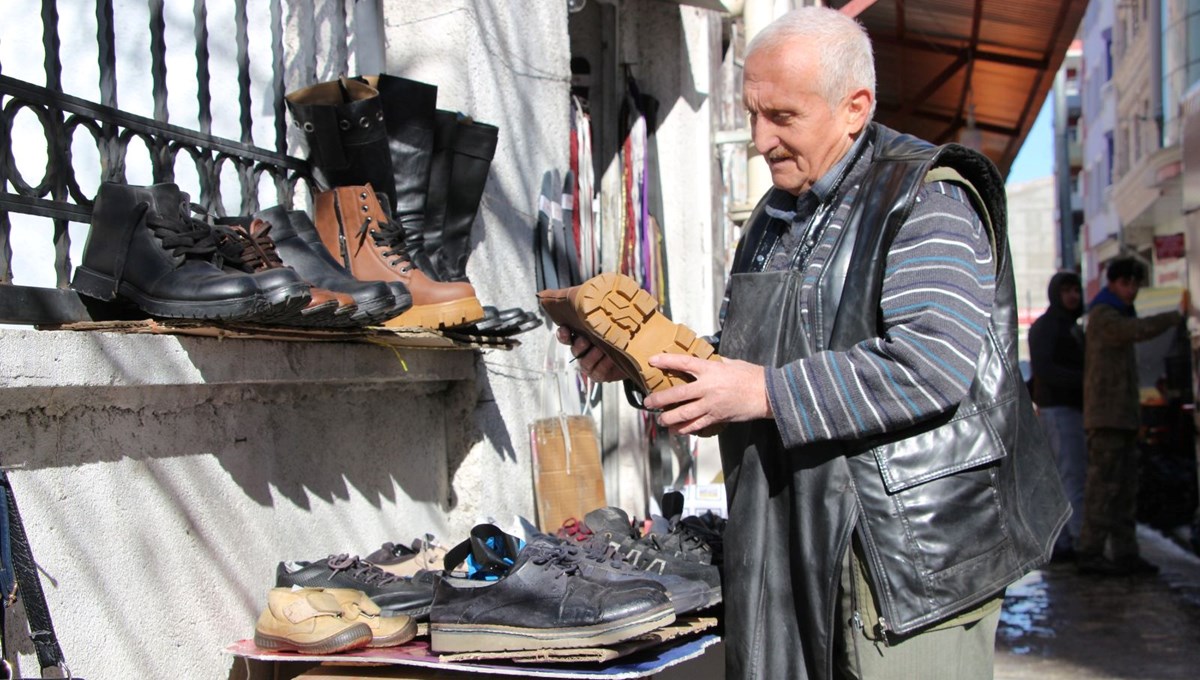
725	391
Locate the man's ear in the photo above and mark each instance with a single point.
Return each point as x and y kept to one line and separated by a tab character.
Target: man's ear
858	109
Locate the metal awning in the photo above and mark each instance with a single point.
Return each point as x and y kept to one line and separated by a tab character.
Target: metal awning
936	58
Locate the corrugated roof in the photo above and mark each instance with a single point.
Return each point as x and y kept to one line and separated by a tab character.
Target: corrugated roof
934	58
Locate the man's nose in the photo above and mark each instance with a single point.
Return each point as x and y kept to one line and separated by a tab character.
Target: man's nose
762	134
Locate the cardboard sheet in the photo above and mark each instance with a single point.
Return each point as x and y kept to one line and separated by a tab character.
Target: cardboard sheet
661	649
394	337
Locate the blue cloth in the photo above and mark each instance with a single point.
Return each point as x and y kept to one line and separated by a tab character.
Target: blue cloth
1107	297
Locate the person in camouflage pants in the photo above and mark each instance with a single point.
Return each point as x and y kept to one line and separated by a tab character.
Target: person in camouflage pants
1111	417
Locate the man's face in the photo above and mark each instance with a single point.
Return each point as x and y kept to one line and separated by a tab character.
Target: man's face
1125	288
1071	297
791	124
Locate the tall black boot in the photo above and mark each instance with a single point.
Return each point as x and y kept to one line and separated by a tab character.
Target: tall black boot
474	147
440	164
408	111
343	121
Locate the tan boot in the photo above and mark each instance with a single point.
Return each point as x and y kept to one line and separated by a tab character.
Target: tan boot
358	232
388	631
309	621
624	321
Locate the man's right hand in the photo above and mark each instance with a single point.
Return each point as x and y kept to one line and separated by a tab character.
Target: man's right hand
592	360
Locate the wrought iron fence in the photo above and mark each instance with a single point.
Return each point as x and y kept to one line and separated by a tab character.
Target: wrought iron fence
56	198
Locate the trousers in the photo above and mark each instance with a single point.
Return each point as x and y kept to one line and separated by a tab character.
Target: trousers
1064	430
1110	497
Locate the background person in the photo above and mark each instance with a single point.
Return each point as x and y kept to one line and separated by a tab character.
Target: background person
1056	359
1111	417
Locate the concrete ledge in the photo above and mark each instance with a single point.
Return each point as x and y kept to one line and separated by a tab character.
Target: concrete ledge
32	358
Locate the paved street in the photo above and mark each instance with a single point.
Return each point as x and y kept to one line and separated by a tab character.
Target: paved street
1057	624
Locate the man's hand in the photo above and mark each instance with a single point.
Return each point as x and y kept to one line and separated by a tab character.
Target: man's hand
595	363
725	391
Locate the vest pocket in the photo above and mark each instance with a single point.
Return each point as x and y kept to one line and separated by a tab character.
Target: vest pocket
946	446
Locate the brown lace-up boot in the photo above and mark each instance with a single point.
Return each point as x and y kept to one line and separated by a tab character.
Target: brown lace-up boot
358	232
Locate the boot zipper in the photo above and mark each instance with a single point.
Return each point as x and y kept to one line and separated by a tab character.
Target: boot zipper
337	209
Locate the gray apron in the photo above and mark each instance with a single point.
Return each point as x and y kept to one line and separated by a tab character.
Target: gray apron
791	513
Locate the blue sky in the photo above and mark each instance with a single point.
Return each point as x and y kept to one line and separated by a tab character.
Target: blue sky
1036	157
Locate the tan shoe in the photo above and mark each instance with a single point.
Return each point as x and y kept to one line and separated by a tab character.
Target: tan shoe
358	232
624	321
402	560
387	631
309	621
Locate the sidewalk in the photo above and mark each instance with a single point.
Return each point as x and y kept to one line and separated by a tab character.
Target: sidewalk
1057	624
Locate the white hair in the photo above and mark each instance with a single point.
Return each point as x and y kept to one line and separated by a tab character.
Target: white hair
847	61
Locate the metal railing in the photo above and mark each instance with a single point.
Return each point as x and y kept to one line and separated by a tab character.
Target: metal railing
56	198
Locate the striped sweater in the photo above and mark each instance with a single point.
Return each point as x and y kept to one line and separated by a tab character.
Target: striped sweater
937	298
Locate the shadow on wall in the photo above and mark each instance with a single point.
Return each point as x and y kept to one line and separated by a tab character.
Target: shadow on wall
290	441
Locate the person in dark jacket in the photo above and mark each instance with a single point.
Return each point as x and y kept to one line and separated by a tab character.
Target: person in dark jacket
1056	359
1112	417
886	477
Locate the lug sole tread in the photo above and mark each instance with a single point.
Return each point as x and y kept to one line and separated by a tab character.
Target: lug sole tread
626	318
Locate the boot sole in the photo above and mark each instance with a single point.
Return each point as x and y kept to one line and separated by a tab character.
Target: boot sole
401	636
353	637
281	302
440	315
466	637
625	320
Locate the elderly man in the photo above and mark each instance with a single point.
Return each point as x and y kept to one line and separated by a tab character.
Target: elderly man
886	475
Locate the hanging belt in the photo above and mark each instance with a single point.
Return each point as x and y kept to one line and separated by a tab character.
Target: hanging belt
29	587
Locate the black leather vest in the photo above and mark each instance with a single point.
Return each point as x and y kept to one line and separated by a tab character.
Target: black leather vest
956	508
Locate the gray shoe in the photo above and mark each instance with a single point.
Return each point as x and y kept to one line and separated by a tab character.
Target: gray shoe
535	599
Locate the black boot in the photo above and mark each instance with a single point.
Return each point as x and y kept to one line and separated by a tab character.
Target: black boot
299	246
445	130
473	147
343	122
408	111
145	247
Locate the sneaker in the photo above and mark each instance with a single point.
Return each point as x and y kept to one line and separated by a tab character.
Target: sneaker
674	536
386	631
309	621
533	599
401	560
624	321
394	594
686	595
609	530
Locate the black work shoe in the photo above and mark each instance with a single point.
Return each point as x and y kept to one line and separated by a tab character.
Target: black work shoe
534	599
1135	565
393	594
687	595
1098	565
145	247
609	530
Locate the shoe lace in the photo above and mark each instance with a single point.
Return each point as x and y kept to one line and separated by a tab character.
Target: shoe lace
562	559
573	528
251	246
689	539
184	234
389	237
360	571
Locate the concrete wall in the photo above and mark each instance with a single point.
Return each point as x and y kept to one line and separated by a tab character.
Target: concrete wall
161	479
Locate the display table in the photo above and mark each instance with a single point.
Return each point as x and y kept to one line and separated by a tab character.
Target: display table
639	658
